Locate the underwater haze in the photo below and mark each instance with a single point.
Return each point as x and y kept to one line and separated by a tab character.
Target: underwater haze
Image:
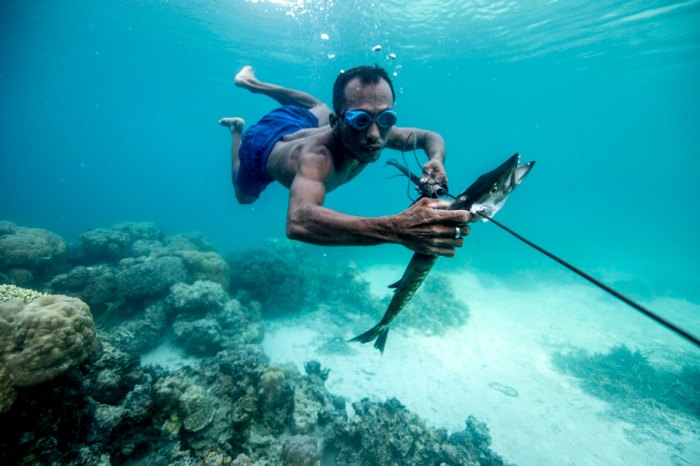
109	113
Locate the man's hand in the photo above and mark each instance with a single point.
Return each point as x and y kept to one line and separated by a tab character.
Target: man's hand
434	172
428	228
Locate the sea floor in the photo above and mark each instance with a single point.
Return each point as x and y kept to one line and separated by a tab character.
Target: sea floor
499	368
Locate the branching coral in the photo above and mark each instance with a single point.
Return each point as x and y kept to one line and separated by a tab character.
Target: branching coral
11	292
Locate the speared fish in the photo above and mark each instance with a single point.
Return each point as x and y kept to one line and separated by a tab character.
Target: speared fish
485	196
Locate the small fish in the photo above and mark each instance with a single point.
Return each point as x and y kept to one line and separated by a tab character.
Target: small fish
486	195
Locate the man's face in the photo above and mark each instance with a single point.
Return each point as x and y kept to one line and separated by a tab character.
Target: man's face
366	144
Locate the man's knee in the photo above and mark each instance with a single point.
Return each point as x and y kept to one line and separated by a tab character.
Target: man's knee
244	198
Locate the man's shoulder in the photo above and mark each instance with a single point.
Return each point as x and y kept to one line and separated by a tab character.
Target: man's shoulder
317	142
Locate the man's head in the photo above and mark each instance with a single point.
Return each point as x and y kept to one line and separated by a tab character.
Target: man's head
363	100
365	75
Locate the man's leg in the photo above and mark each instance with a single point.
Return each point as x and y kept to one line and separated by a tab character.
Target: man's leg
247	80
236	126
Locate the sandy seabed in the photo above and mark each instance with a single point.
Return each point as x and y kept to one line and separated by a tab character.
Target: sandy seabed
499	368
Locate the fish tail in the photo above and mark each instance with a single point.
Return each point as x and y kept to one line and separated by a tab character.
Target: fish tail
379	333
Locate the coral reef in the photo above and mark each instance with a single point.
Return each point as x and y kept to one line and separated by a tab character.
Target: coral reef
197	298
284	279
199	337
142	332
229	407
28	254
12	292
42	339
207	320
109	245
387	433
300	285
276	275
300	450
96	285
638	391
197	408
150	278
197	254
203	265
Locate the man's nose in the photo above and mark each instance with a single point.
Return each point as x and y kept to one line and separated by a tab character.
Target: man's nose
373	132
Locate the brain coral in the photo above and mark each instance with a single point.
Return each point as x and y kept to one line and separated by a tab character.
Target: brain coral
42	339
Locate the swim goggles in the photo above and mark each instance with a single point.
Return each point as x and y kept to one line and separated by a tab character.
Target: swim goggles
360	120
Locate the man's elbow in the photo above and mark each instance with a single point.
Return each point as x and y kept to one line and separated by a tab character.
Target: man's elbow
302	225
295	229
434	137
294	233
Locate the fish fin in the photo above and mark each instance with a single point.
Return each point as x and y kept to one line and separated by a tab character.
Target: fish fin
397	284
379	333
380	342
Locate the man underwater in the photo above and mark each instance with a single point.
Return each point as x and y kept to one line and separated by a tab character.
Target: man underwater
312	151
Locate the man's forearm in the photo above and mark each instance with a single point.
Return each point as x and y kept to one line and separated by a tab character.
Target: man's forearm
323	226
434	146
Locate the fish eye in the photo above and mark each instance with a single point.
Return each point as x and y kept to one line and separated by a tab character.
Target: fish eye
494	189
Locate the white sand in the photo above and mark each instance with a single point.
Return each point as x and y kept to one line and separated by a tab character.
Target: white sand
169	356
507	343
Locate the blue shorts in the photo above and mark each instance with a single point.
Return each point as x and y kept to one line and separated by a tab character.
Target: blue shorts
258	141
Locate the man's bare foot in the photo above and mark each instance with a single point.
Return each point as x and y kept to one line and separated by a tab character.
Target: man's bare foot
234	124
245	78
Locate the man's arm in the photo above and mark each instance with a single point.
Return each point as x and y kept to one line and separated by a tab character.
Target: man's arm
424	227
432	143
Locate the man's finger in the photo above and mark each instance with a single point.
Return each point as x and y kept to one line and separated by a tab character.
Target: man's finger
439	204
455	232
454	218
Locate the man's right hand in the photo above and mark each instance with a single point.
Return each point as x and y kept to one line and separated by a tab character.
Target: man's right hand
428	228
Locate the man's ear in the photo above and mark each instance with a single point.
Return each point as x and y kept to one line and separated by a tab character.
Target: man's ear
333	120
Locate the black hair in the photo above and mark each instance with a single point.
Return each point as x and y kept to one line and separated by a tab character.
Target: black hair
367	75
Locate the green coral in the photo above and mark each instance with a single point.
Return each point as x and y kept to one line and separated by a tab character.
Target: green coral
636	388
12	292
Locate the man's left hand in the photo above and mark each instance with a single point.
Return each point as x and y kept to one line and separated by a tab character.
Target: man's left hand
434	172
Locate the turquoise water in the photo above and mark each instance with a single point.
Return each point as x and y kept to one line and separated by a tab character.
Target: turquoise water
109	112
